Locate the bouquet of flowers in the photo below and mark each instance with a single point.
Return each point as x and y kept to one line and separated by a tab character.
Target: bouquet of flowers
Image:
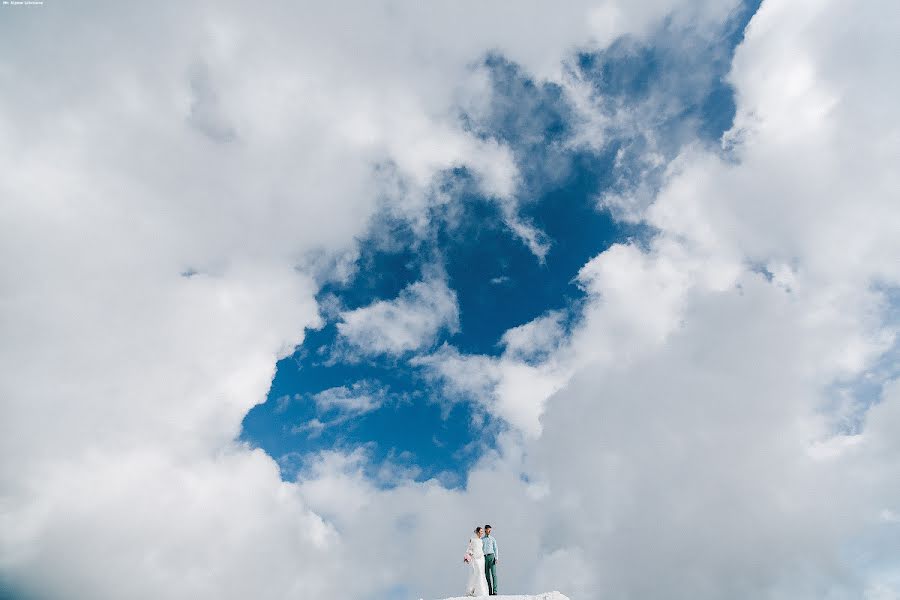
467	557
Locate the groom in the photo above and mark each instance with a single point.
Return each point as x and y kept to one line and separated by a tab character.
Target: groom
490	560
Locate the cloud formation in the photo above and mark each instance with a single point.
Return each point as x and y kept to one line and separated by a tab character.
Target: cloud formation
337	405
676	442
409	322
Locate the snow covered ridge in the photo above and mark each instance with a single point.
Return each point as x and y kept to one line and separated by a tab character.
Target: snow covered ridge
545	596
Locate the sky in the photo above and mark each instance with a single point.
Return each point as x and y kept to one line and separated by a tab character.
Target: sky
294	295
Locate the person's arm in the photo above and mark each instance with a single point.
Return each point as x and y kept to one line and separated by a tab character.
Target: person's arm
496	549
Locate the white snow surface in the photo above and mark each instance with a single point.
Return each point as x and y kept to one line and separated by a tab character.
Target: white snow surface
544	596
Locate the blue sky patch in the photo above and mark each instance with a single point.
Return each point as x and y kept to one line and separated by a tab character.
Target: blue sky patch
326	397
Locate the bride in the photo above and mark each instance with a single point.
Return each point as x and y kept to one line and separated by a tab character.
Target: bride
477	585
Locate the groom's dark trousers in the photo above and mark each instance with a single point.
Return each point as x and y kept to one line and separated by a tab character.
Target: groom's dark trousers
490	573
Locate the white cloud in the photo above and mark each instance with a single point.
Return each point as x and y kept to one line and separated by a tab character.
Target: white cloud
694	425
361	397
676	461
157	521
341	404
536	338
881	592
512	387
690	455
409	322
232	143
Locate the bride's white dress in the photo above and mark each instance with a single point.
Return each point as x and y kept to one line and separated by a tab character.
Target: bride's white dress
477	585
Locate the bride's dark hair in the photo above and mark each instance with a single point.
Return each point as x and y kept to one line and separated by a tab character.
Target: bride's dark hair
477	529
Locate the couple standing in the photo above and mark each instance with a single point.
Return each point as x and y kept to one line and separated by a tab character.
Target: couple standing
481	556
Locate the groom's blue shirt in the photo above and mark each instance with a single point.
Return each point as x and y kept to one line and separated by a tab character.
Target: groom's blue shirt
490	545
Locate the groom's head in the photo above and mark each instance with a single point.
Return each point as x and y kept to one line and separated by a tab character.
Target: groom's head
487	530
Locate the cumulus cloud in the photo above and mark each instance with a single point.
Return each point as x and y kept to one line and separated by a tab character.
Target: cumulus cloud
339	404
510	387
702	382
358	398
537	338
668	436
409	322
688	447
231	145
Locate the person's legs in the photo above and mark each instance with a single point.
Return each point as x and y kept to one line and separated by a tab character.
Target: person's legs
490	573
